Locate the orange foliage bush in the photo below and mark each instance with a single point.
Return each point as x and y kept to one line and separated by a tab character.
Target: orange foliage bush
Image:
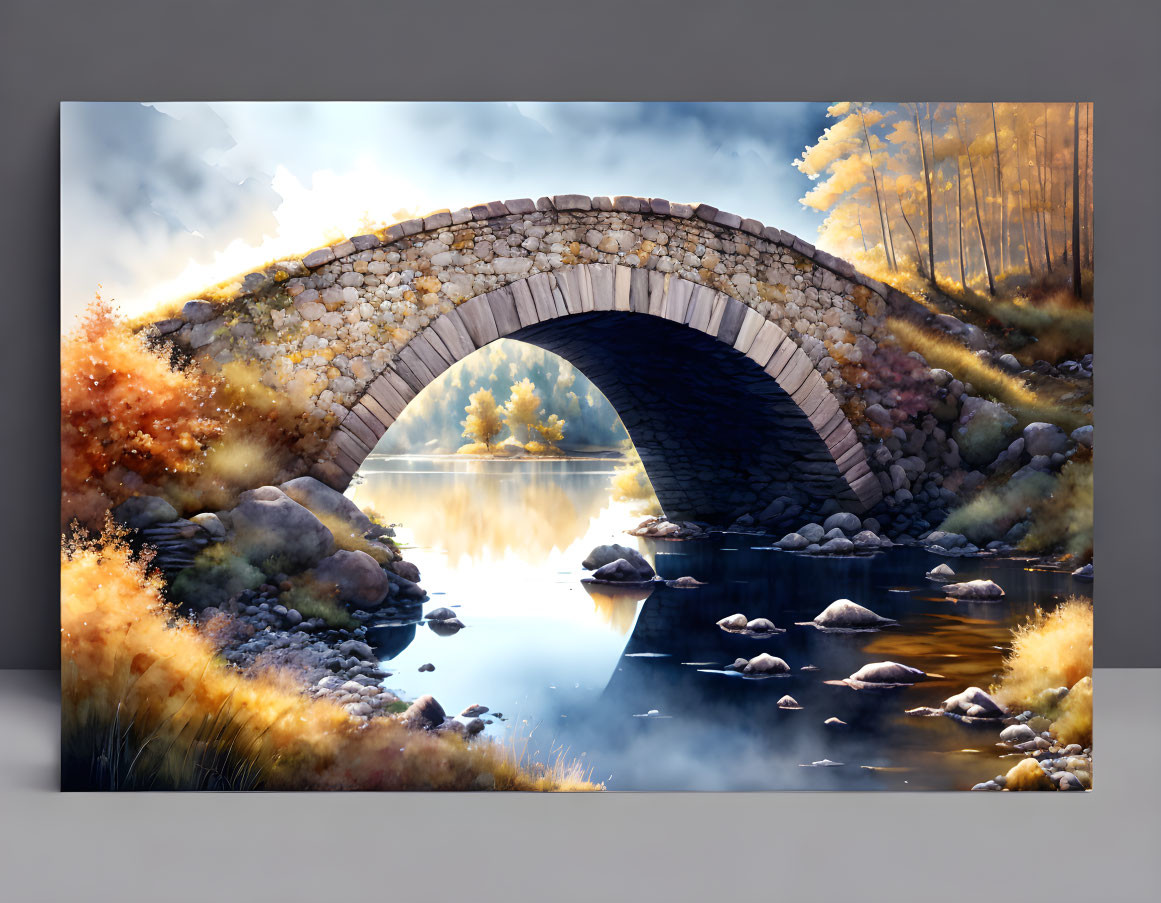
127	417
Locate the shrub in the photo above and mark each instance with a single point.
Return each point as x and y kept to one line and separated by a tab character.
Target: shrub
1051	650
216	576
1062	517
127	417
313	600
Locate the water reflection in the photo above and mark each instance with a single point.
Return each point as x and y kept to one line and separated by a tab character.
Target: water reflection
577	666
617	607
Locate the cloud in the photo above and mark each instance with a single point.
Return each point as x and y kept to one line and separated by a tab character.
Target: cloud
160	201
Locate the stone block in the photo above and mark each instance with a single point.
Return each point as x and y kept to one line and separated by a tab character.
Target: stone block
751	323
525	306
621	288
521	206
572	202
477	317
440	220
318	258
503	304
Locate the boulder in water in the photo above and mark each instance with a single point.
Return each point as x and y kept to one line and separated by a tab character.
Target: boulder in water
621	571
980	590
761	625
940	572
1028	775
734	622
788	703
974	703
765	663
884	674
686	583
440	614
607	554
843	614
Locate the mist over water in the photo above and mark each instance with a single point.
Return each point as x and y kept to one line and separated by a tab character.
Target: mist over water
575	669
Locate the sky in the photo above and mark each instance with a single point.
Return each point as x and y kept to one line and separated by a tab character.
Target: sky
161	200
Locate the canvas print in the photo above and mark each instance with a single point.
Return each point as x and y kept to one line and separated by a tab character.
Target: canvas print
553	446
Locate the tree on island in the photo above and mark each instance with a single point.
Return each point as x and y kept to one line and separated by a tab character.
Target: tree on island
483	422
522	415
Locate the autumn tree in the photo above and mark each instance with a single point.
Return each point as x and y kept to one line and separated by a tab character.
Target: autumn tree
522	409
483	422
129	420
1019	174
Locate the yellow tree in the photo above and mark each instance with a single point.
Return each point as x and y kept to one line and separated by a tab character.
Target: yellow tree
483	421
522	409
550	430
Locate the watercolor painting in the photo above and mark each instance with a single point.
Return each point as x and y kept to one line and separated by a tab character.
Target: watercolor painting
765	463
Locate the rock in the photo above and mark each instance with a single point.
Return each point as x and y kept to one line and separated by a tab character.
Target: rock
761	625
1066	780
984	430
946	540
269	524
425	713
324	502
197	311
607	554
738	665
733	622
405	569
793	542
1083	573
427	667
974	703
449	627
940	572
974	589
789	703
142	511
766	664
833	723
891	673
1017	733
865	539
812	532
357	648
440	614
844	520
843	613
1082	435
620	571
473	710
359	579
1044	439
1009	363
686	583
1028	775
473	727
837	547
212	524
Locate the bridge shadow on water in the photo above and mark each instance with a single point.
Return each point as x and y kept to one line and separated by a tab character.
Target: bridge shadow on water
723	731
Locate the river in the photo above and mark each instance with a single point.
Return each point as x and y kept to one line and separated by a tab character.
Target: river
625	682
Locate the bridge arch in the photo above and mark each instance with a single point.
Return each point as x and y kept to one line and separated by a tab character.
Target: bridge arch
727	412
752	324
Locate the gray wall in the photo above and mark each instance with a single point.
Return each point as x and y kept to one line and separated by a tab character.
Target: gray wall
984	50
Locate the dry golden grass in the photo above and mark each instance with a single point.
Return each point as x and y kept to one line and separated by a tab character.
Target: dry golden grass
1062	519
1053	649
124	650
944	352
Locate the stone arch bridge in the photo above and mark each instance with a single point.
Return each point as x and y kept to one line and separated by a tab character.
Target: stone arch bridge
719	341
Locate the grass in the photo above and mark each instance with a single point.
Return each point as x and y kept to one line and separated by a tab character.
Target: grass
1053	649
944	352
147	702
314	601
